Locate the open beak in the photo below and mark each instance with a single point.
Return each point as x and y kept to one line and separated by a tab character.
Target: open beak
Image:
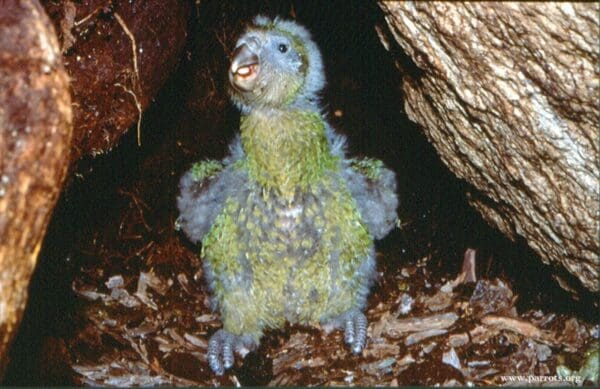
243	72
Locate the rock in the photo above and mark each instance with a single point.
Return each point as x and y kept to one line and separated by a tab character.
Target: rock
35	141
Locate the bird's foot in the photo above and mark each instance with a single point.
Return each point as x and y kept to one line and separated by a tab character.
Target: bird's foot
221	348
355	330
354	323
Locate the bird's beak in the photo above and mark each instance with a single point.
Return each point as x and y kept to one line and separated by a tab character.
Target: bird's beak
244	68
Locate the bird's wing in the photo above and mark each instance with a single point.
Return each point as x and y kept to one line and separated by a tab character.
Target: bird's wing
373	187
203	190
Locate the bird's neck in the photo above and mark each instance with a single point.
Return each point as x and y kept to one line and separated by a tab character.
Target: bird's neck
287	150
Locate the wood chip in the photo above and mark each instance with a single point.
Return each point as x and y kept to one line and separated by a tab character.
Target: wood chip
439	301
451	358
381	350
378	367
458	340
397	327
196	341
142	330
420	336
481	334
115	282
376	329
520	327
406	360
206	318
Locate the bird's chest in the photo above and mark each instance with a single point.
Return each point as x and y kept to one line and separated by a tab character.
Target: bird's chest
289	255
283	234
292	256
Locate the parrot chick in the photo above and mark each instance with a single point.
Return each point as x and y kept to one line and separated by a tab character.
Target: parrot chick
286	221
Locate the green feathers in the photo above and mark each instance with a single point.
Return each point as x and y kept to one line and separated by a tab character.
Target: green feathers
280	239
287	150
287	262
287	221
369	167
206	169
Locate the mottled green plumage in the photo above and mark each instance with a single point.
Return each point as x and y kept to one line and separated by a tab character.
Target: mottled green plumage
286	222
369	167
287	150
287	157
206	169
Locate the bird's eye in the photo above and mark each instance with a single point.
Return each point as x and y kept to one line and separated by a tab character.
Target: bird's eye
283	48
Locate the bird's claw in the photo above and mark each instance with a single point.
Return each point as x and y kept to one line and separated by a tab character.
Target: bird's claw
355	330
220	351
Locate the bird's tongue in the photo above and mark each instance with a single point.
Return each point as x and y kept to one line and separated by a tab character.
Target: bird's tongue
247	71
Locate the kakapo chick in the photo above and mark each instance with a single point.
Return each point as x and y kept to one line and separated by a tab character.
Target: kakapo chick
287	221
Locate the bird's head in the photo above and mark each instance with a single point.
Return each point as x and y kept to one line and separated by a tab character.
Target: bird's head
275	64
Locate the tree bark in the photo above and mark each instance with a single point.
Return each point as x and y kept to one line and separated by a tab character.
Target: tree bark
35	141
118	55
508	94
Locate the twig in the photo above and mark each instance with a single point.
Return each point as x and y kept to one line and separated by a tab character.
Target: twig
222	43
137	76
468	267
138	205
145	248
138	201
86	18
139	108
